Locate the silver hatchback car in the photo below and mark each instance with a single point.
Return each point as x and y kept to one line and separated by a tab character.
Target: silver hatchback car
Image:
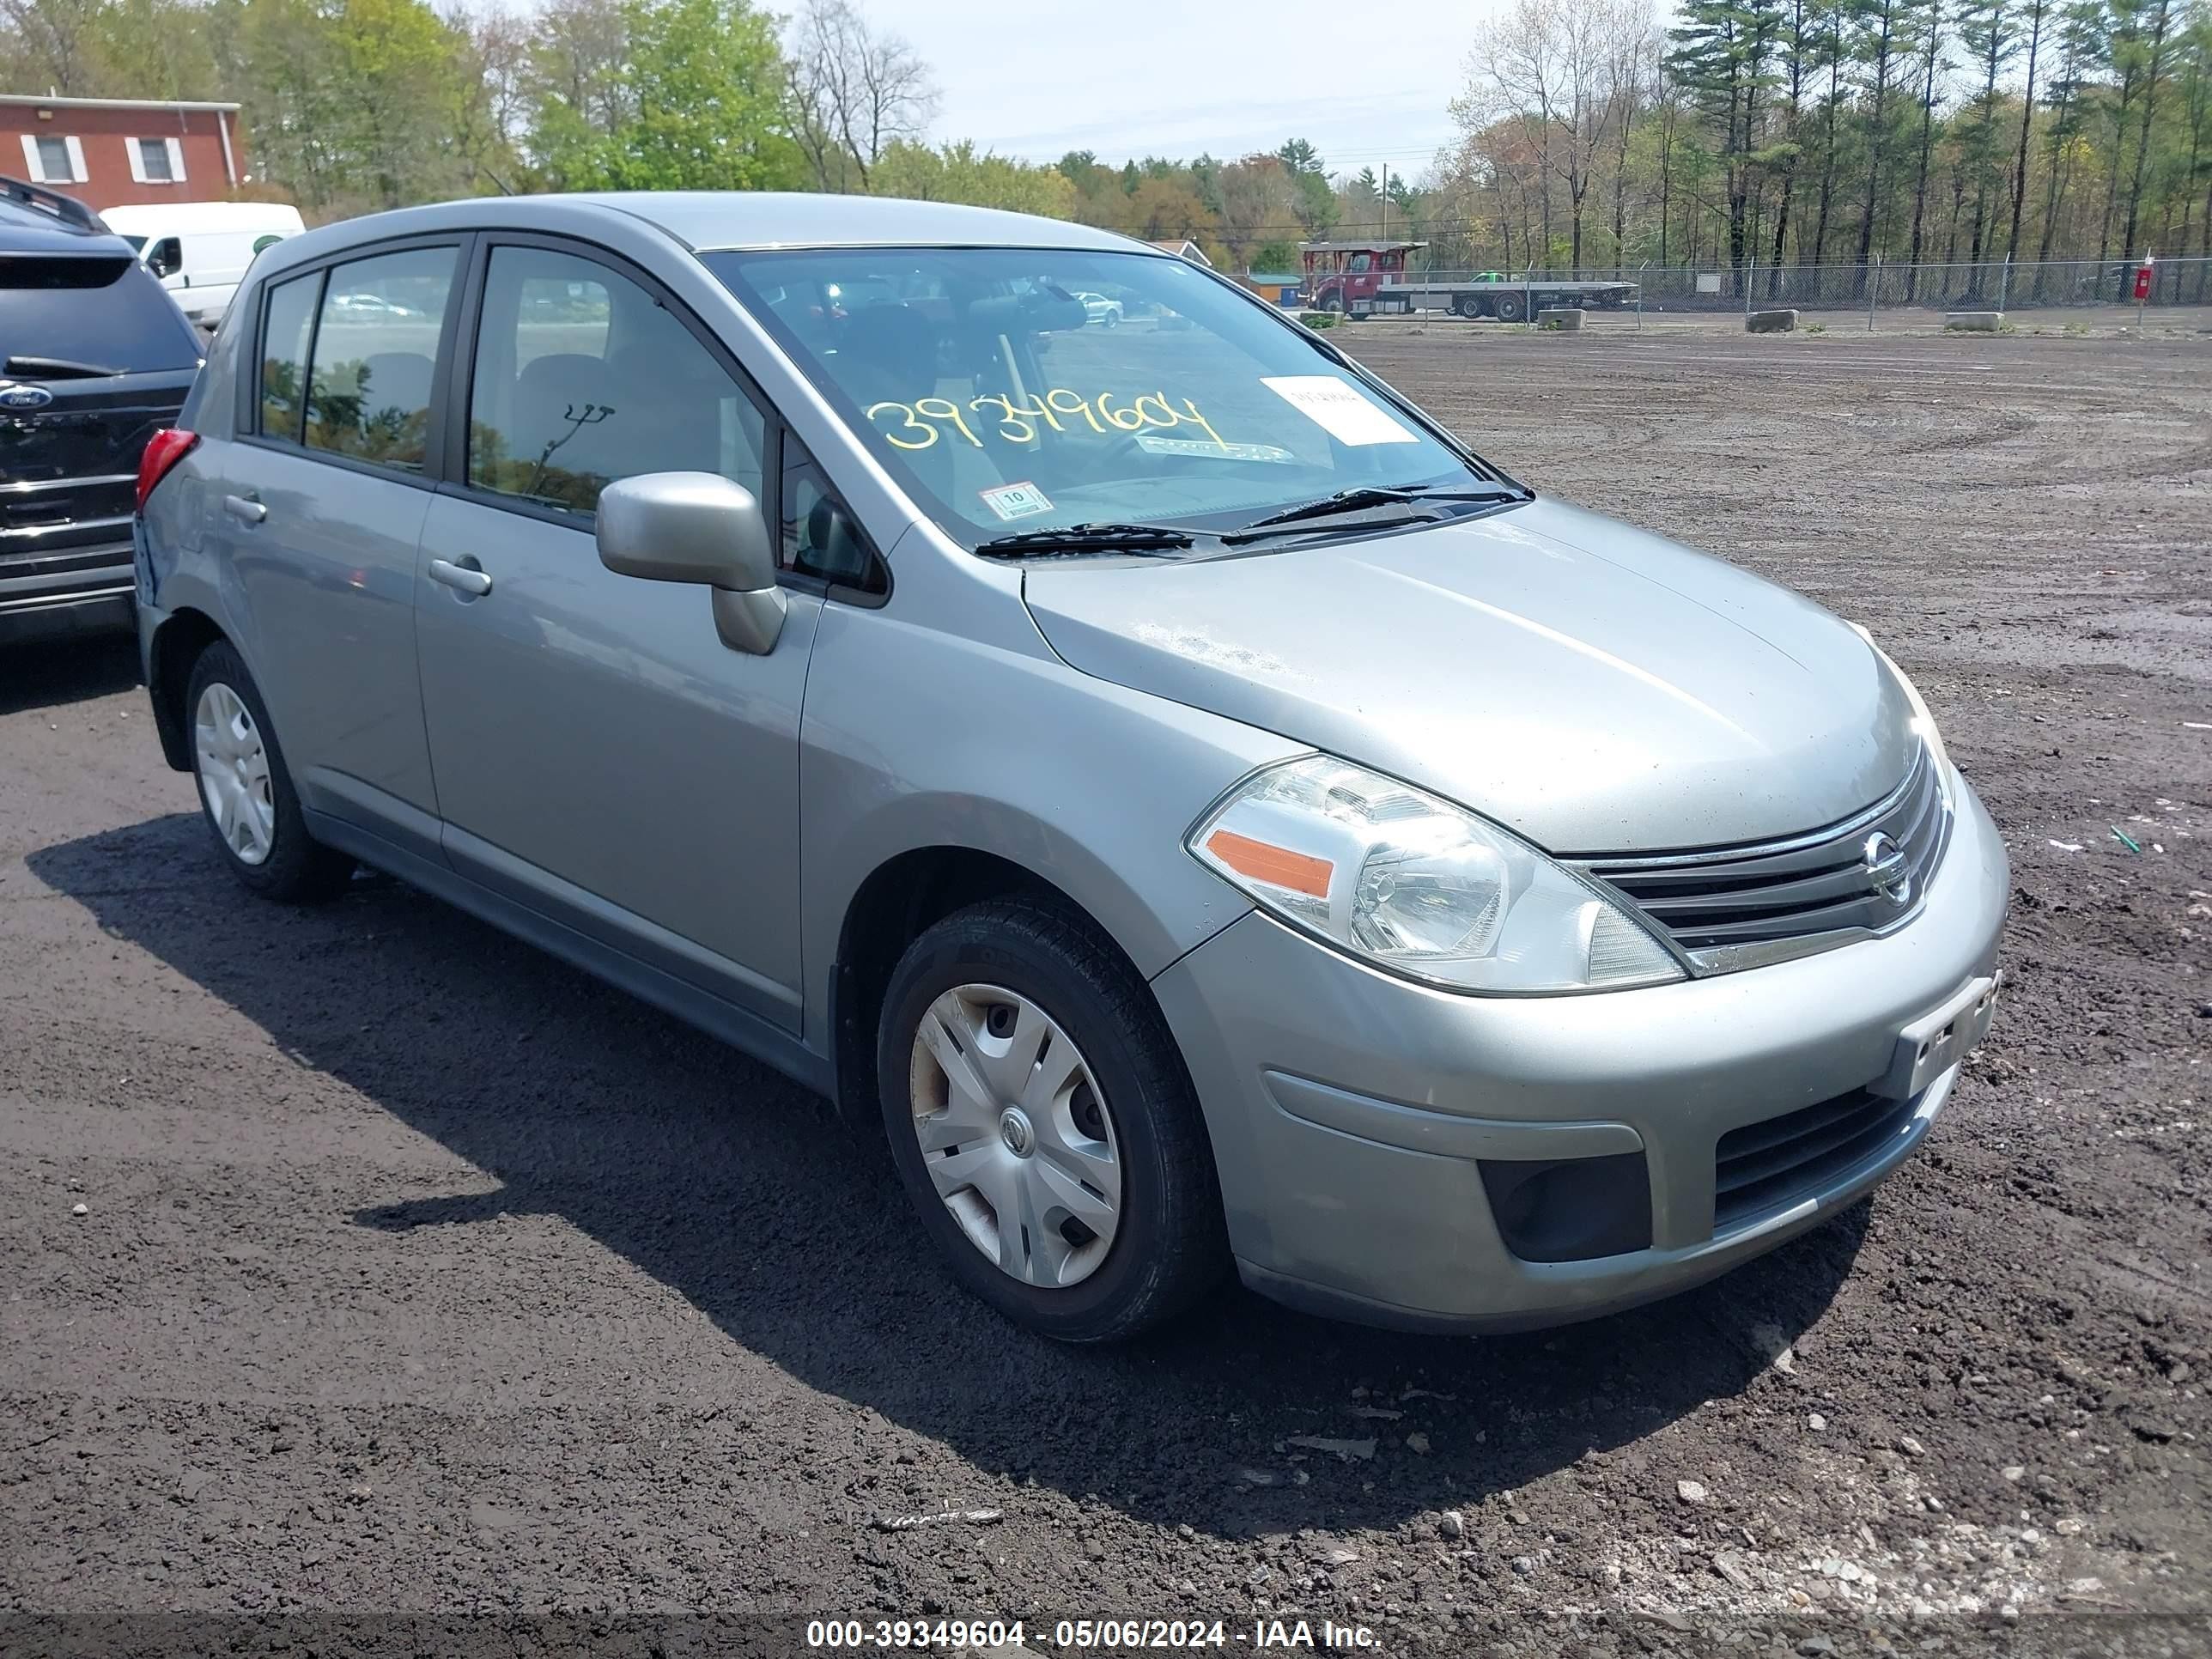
1156	778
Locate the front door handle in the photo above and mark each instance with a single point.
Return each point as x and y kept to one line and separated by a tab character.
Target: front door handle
245	507
472	582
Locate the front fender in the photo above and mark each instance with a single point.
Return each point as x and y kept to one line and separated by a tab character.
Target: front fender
1086	785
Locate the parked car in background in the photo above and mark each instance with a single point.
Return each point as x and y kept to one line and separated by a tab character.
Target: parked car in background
368	307
1168	789
1101	312
95	358
200	250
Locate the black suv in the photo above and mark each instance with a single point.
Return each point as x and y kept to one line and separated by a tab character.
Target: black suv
94	356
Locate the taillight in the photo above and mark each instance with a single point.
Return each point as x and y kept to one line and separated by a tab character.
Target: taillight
163	451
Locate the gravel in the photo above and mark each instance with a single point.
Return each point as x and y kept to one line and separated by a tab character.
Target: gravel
429	1275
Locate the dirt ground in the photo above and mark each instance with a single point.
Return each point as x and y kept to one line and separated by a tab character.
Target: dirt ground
416	1271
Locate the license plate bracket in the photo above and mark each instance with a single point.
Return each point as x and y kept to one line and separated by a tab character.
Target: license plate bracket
1936	1041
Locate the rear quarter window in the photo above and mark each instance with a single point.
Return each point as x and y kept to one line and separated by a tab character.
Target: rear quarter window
102	311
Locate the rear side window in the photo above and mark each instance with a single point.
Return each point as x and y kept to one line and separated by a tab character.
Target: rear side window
78	314
375	356
284	344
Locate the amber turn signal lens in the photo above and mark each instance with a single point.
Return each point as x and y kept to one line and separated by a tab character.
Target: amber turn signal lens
1276	866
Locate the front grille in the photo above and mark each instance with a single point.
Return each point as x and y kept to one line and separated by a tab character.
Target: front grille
1767	1165
1735	907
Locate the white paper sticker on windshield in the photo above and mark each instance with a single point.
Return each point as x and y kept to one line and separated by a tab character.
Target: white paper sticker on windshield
1016	500
1339	408
1152	444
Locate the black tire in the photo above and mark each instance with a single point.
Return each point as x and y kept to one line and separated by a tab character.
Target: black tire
1508	308
1170	1246
1468	305
298	869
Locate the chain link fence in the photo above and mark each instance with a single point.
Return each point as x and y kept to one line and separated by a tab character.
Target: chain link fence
1879	285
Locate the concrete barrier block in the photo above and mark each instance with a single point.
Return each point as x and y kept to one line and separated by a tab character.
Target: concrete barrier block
1770	322
1974	322
1566	317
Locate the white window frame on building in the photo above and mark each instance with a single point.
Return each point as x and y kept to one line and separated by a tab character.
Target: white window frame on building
34	159
143	150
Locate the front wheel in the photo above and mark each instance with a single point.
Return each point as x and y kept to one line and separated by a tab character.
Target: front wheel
246	789
1043	1126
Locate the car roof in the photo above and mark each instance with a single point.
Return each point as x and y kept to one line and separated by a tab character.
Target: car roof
736	219
27	229
706	220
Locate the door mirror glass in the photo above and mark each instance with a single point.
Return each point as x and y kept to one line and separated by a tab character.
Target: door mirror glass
697	527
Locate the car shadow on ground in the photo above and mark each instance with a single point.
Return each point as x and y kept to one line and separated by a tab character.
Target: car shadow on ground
47	675
737	1189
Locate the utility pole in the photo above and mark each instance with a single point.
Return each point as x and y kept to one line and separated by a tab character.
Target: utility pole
1386	203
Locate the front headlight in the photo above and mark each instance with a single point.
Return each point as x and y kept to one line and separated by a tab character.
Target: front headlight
1924	723
1411	883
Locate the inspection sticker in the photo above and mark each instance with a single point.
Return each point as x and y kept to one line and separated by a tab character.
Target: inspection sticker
1339	408
1016	500
1152	444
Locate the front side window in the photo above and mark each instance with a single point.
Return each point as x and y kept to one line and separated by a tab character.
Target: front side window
583	378
285	338
375	356
1012	390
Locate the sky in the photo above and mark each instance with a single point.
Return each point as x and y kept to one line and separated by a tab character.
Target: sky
1175	77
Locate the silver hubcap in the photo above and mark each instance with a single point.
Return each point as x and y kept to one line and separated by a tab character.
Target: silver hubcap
233	768
1016	1135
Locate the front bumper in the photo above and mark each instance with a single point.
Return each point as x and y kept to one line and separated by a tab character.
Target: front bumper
1351	1112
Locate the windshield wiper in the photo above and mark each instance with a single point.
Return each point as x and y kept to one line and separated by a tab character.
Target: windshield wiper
51	366
1366	496
1087	538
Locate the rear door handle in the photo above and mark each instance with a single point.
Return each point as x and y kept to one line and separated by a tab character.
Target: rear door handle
243	507
474	582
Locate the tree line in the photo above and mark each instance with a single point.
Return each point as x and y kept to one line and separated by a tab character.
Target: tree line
1770	132
1751	132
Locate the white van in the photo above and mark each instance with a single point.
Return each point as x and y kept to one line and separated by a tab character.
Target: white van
200	250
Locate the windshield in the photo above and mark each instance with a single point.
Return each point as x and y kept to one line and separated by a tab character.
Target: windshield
1015	389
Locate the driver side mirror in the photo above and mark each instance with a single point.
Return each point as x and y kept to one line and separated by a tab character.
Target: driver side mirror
697	527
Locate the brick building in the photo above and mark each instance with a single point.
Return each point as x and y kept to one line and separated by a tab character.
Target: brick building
108	152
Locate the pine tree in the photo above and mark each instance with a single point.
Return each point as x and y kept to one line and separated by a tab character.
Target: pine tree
2036	11
1930	22
1721	58
1986	30
1881	32
2084	45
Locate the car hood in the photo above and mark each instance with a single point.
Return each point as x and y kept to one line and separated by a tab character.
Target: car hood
1593	687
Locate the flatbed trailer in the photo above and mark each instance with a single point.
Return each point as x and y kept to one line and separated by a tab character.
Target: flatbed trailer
1368	279
1508	299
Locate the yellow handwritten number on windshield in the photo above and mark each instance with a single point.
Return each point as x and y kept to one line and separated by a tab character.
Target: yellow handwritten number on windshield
918	421
909	424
